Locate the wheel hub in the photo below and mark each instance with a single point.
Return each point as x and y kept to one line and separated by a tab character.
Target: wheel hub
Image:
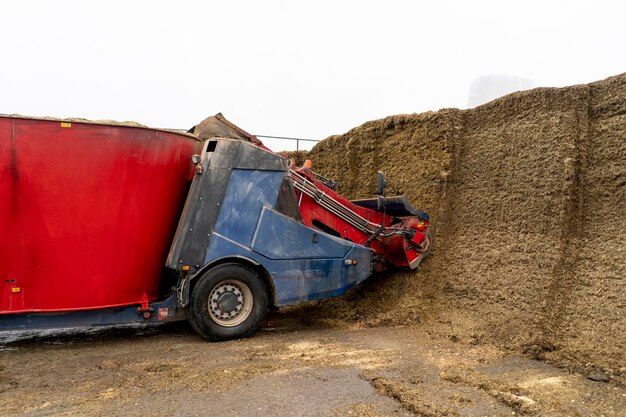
230	303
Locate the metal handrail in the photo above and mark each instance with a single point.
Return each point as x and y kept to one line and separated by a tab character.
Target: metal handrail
288	138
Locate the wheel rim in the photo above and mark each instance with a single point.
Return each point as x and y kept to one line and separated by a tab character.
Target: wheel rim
230	303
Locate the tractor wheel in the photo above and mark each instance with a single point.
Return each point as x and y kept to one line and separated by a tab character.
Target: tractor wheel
228	302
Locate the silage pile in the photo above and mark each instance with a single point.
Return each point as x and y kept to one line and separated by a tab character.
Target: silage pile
528	199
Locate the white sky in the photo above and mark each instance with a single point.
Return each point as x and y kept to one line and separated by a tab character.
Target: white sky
288	68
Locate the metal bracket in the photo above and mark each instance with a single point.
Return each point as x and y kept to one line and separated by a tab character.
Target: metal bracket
145	310
182	291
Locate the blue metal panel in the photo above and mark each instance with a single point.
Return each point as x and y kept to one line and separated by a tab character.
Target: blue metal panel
247	193
359	272
318	278
279	237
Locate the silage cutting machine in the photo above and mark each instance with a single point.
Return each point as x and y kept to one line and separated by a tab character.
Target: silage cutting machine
106	224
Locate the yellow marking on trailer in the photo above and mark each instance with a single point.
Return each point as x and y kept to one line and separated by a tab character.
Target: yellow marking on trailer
16	289
66	124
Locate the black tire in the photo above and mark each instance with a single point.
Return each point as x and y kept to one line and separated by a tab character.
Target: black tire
239	302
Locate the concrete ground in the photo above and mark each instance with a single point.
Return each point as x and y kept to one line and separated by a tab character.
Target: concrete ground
286	369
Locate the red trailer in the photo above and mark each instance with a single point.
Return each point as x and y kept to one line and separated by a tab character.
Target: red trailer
87	212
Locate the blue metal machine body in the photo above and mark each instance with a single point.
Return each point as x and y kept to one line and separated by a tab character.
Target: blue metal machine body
254	221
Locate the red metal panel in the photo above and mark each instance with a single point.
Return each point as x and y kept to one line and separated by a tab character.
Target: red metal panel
396	249
87	212
8	178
